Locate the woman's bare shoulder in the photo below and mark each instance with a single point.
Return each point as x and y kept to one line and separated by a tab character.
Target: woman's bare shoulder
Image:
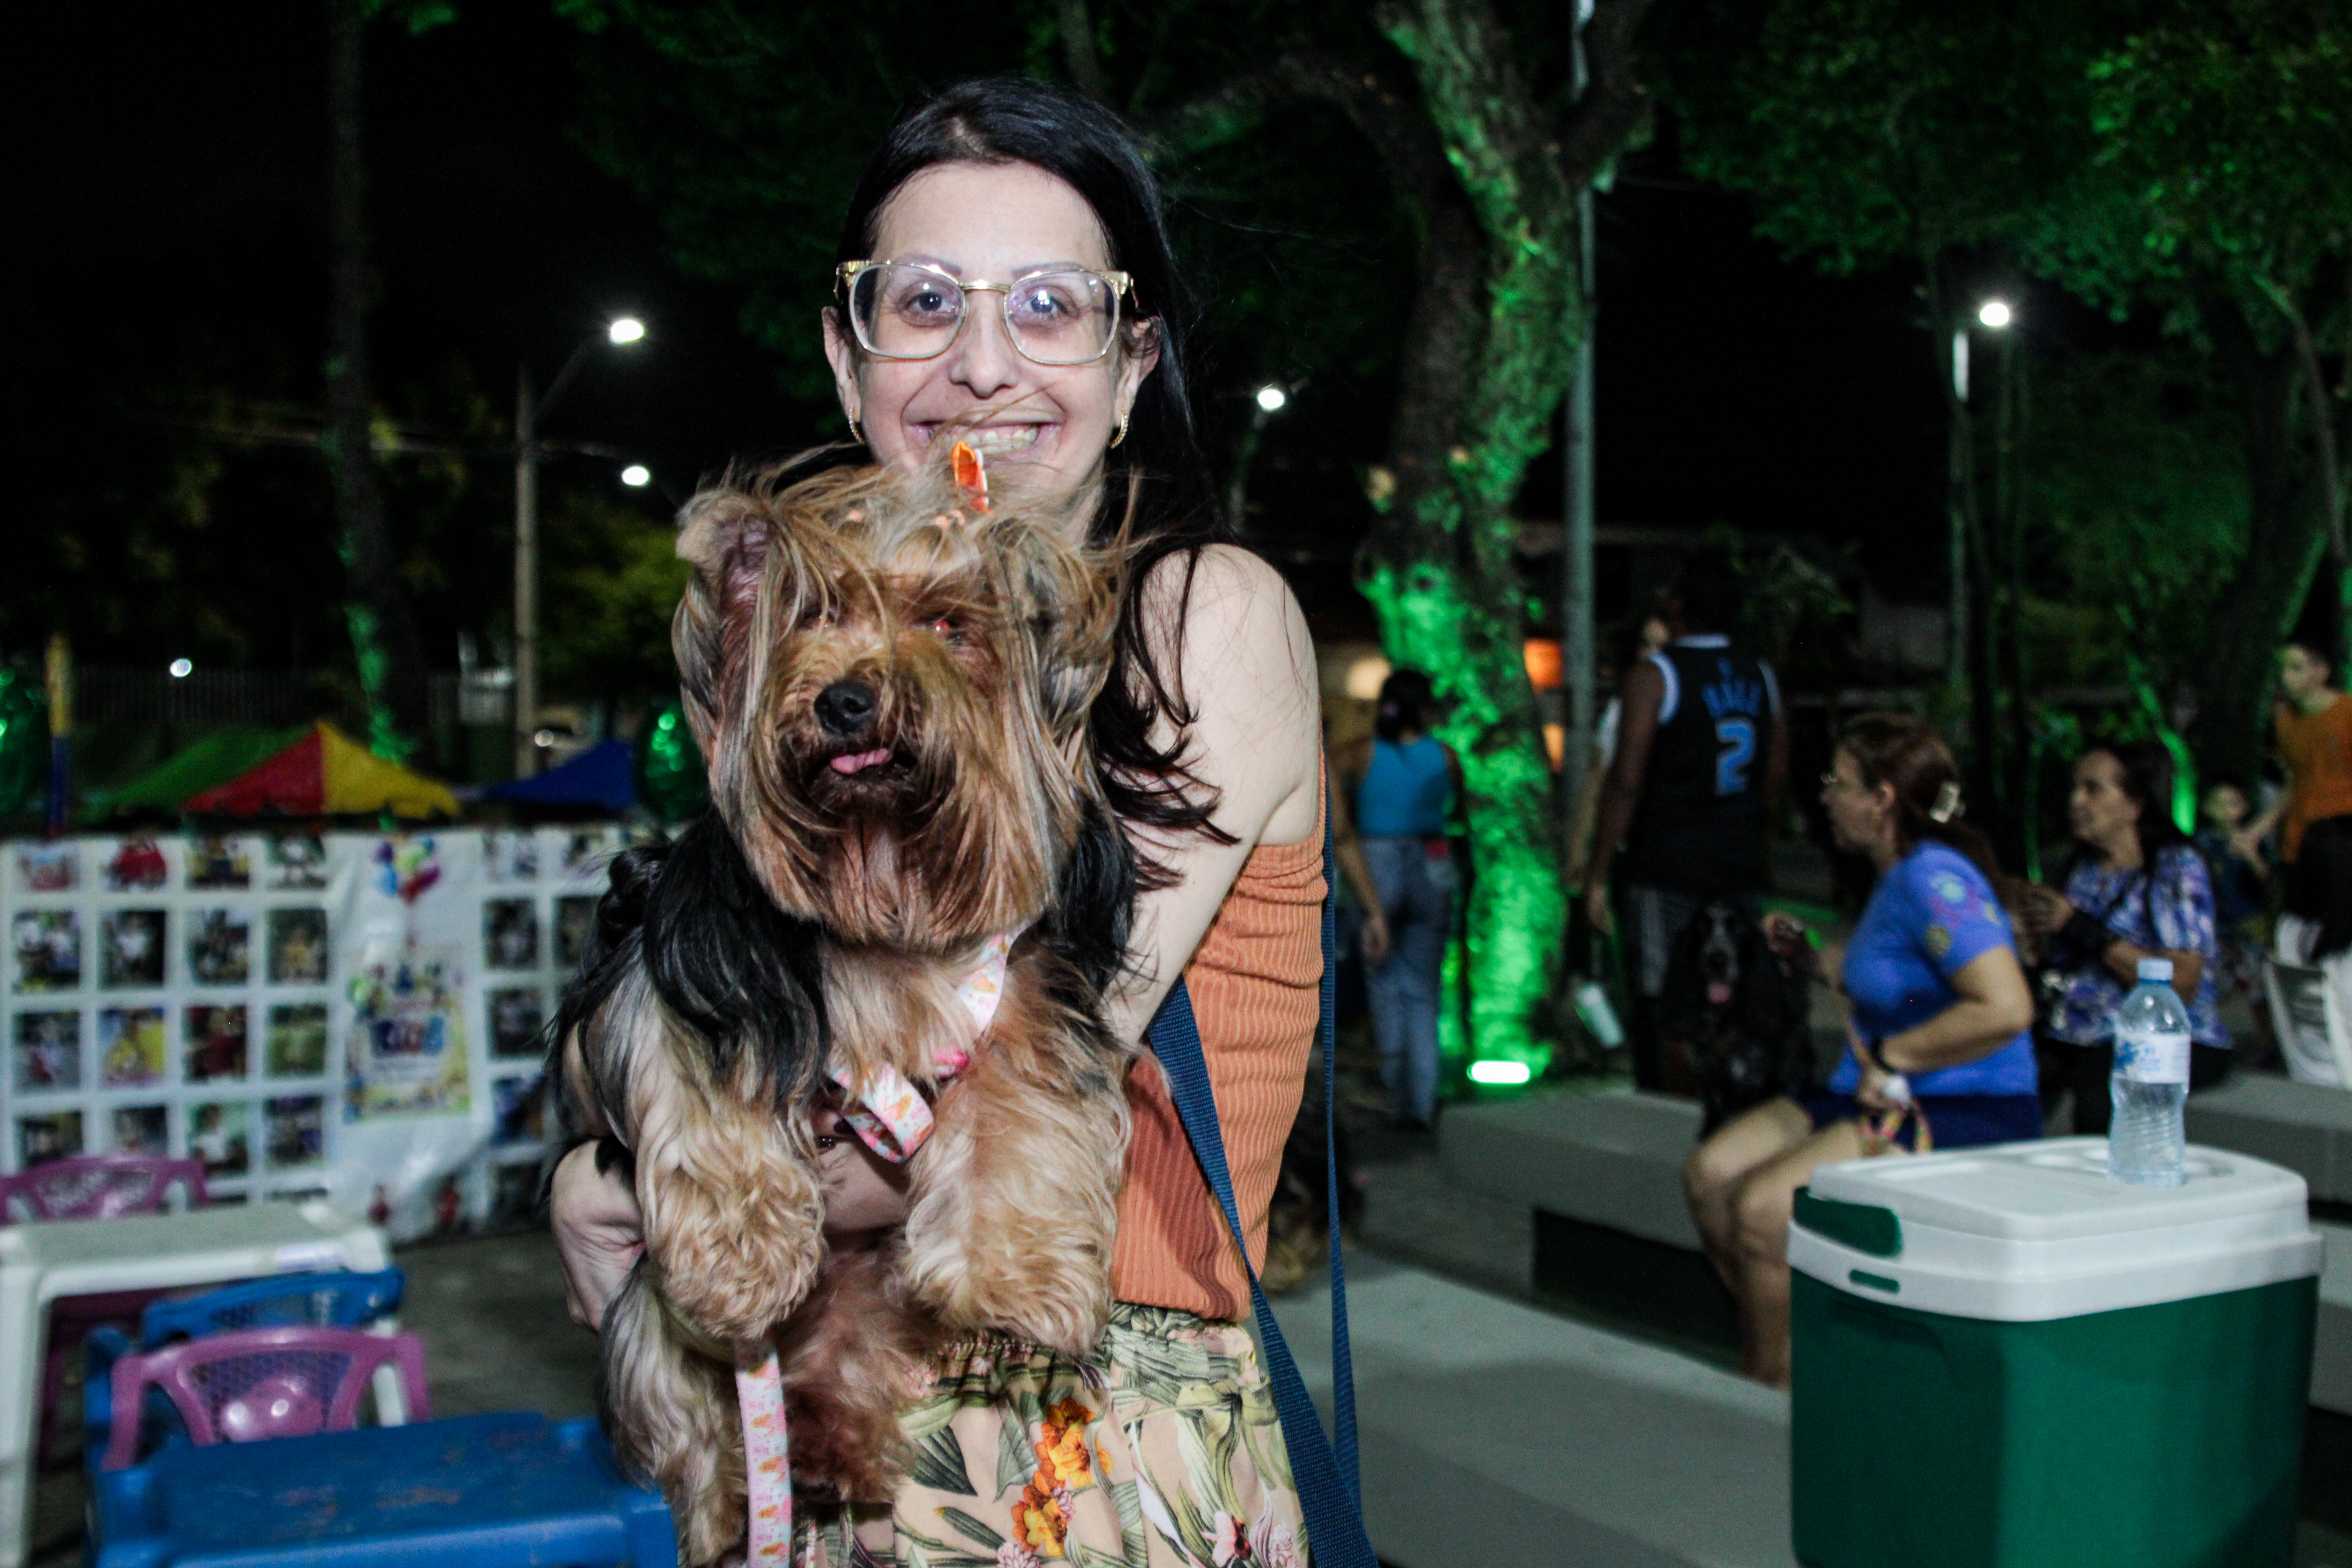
1237	616
1245	667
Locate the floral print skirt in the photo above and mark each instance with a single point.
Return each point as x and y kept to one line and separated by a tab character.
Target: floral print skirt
1162	1451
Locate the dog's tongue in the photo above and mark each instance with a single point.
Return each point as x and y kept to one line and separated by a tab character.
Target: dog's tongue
1718	993
858	762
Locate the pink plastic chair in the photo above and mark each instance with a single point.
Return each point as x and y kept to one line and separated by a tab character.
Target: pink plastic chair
93	1186
100	1187
256	1384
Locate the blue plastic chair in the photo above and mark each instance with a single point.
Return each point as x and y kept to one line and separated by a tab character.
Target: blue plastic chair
324	1300
480	1491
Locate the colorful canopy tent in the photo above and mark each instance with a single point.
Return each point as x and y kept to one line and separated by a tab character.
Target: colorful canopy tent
214	759
324	773
599	777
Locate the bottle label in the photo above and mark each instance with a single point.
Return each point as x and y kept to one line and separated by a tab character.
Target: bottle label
2152	1056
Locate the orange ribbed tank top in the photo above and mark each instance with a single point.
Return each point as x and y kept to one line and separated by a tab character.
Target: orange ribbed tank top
1256	985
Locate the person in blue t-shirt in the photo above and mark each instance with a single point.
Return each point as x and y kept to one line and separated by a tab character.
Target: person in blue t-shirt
1940	1052
1396	792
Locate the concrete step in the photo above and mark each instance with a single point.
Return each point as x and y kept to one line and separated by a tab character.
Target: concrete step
2331	1359
1496	1434
2306	1127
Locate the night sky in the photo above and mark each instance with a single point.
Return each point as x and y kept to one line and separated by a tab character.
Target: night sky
171	223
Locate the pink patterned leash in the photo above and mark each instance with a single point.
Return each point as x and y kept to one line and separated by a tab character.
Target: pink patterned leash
889	1114
767	1467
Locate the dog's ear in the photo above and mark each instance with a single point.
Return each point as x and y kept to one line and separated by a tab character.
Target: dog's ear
726	535
725	538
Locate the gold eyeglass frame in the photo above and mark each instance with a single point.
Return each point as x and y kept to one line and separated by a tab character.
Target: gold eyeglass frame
1122	288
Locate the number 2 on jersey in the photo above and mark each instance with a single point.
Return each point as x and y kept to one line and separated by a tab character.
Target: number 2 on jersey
1737	738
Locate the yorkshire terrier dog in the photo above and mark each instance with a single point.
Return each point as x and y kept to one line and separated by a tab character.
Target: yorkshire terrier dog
902	912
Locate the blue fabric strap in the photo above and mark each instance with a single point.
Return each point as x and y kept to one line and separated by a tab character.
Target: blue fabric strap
1323	1469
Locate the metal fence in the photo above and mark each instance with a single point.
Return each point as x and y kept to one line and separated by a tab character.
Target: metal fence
107	695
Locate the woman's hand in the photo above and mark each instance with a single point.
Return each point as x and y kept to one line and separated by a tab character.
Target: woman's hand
599	1234
2046	909
863	1191
1374	937
1881	1090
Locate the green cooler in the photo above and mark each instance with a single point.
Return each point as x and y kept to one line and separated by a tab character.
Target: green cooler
2005	1360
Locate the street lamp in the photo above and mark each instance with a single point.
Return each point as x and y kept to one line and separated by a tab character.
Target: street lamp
1271	399
620	331
1994	313
636	476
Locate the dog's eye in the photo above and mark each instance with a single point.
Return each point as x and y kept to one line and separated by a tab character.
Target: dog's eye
948	627
825	1143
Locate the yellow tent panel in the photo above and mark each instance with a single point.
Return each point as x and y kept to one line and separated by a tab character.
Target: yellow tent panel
355	782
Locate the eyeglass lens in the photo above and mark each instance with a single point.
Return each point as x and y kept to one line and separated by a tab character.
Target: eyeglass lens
914	312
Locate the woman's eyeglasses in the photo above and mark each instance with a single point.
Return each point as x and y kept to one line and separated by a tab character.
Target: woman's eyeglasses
907	310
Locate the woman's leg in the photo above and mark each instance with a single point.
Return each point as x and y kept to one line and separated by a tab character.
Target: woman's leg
1385	984
1421	940
1761	1213
1712	1174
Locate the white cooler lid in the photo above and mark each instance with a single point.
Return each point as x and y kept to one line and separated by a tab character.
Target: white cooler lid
2024	1231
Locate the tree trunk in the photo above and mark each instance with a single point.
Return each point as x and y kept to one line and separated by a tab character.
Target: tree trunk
2285	539
1489	348
384	644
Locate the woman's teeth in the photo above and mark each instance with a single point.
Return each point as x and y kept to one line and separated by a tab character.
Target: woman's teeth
994	440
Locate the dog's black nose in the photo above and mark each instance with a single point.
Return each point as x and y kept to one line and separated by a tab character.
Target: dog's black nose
845	707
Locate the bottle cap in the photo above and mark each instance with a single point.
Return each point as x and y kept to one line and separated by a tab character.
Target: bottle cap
2155	969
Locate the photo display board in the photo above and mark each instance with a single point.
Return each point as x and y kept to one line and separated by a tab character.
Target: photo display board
353	1015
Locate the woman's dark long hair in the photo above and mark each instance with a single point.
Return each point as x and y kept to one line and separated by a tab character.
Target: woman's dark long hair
1156	490
1406	697
1905	754
2319	886
2146	770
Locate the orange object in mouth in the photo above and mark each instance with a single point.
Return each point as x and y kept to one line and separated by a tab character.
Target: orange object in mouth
970	474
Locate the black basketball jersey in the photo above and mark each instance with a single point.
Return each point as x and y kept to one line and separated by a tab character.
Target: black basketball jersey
1699	827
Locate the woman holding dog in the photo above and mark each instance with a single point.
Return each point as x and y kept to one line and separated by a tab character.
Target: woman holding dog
993	206
1940	1051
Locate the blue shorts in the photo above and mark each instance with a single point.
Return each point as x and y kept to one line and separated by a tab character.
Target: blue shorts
1956	1120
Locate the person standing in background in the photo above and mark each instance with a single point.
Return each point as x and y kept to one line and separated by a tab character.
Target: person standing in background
2314	725
1647	637
2241	899
1402	784
2314	928
1701	749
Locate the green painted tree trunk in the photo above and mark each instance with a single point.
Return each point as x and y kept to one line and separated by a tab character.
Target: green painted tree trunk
1492	345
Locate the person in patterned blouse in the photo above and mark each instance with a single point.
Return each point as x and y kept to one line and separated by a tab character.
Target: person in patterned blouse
2137	890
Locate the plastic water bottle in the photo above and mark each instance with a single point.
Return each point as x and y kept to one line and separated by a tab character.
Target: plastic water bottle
2146	1144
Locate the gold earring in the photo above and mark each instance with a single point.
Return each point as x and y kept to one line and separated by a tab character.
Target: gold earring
851	415
1122	431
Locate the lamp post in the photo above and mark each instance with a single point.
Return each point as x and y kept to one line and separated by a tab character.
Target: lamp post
1271	399
2024	804
620	331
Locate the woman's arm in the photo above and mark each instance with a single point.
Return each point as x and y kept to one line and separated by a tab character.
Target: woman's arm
2180	908
1353	868
1246	667
1992	1007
